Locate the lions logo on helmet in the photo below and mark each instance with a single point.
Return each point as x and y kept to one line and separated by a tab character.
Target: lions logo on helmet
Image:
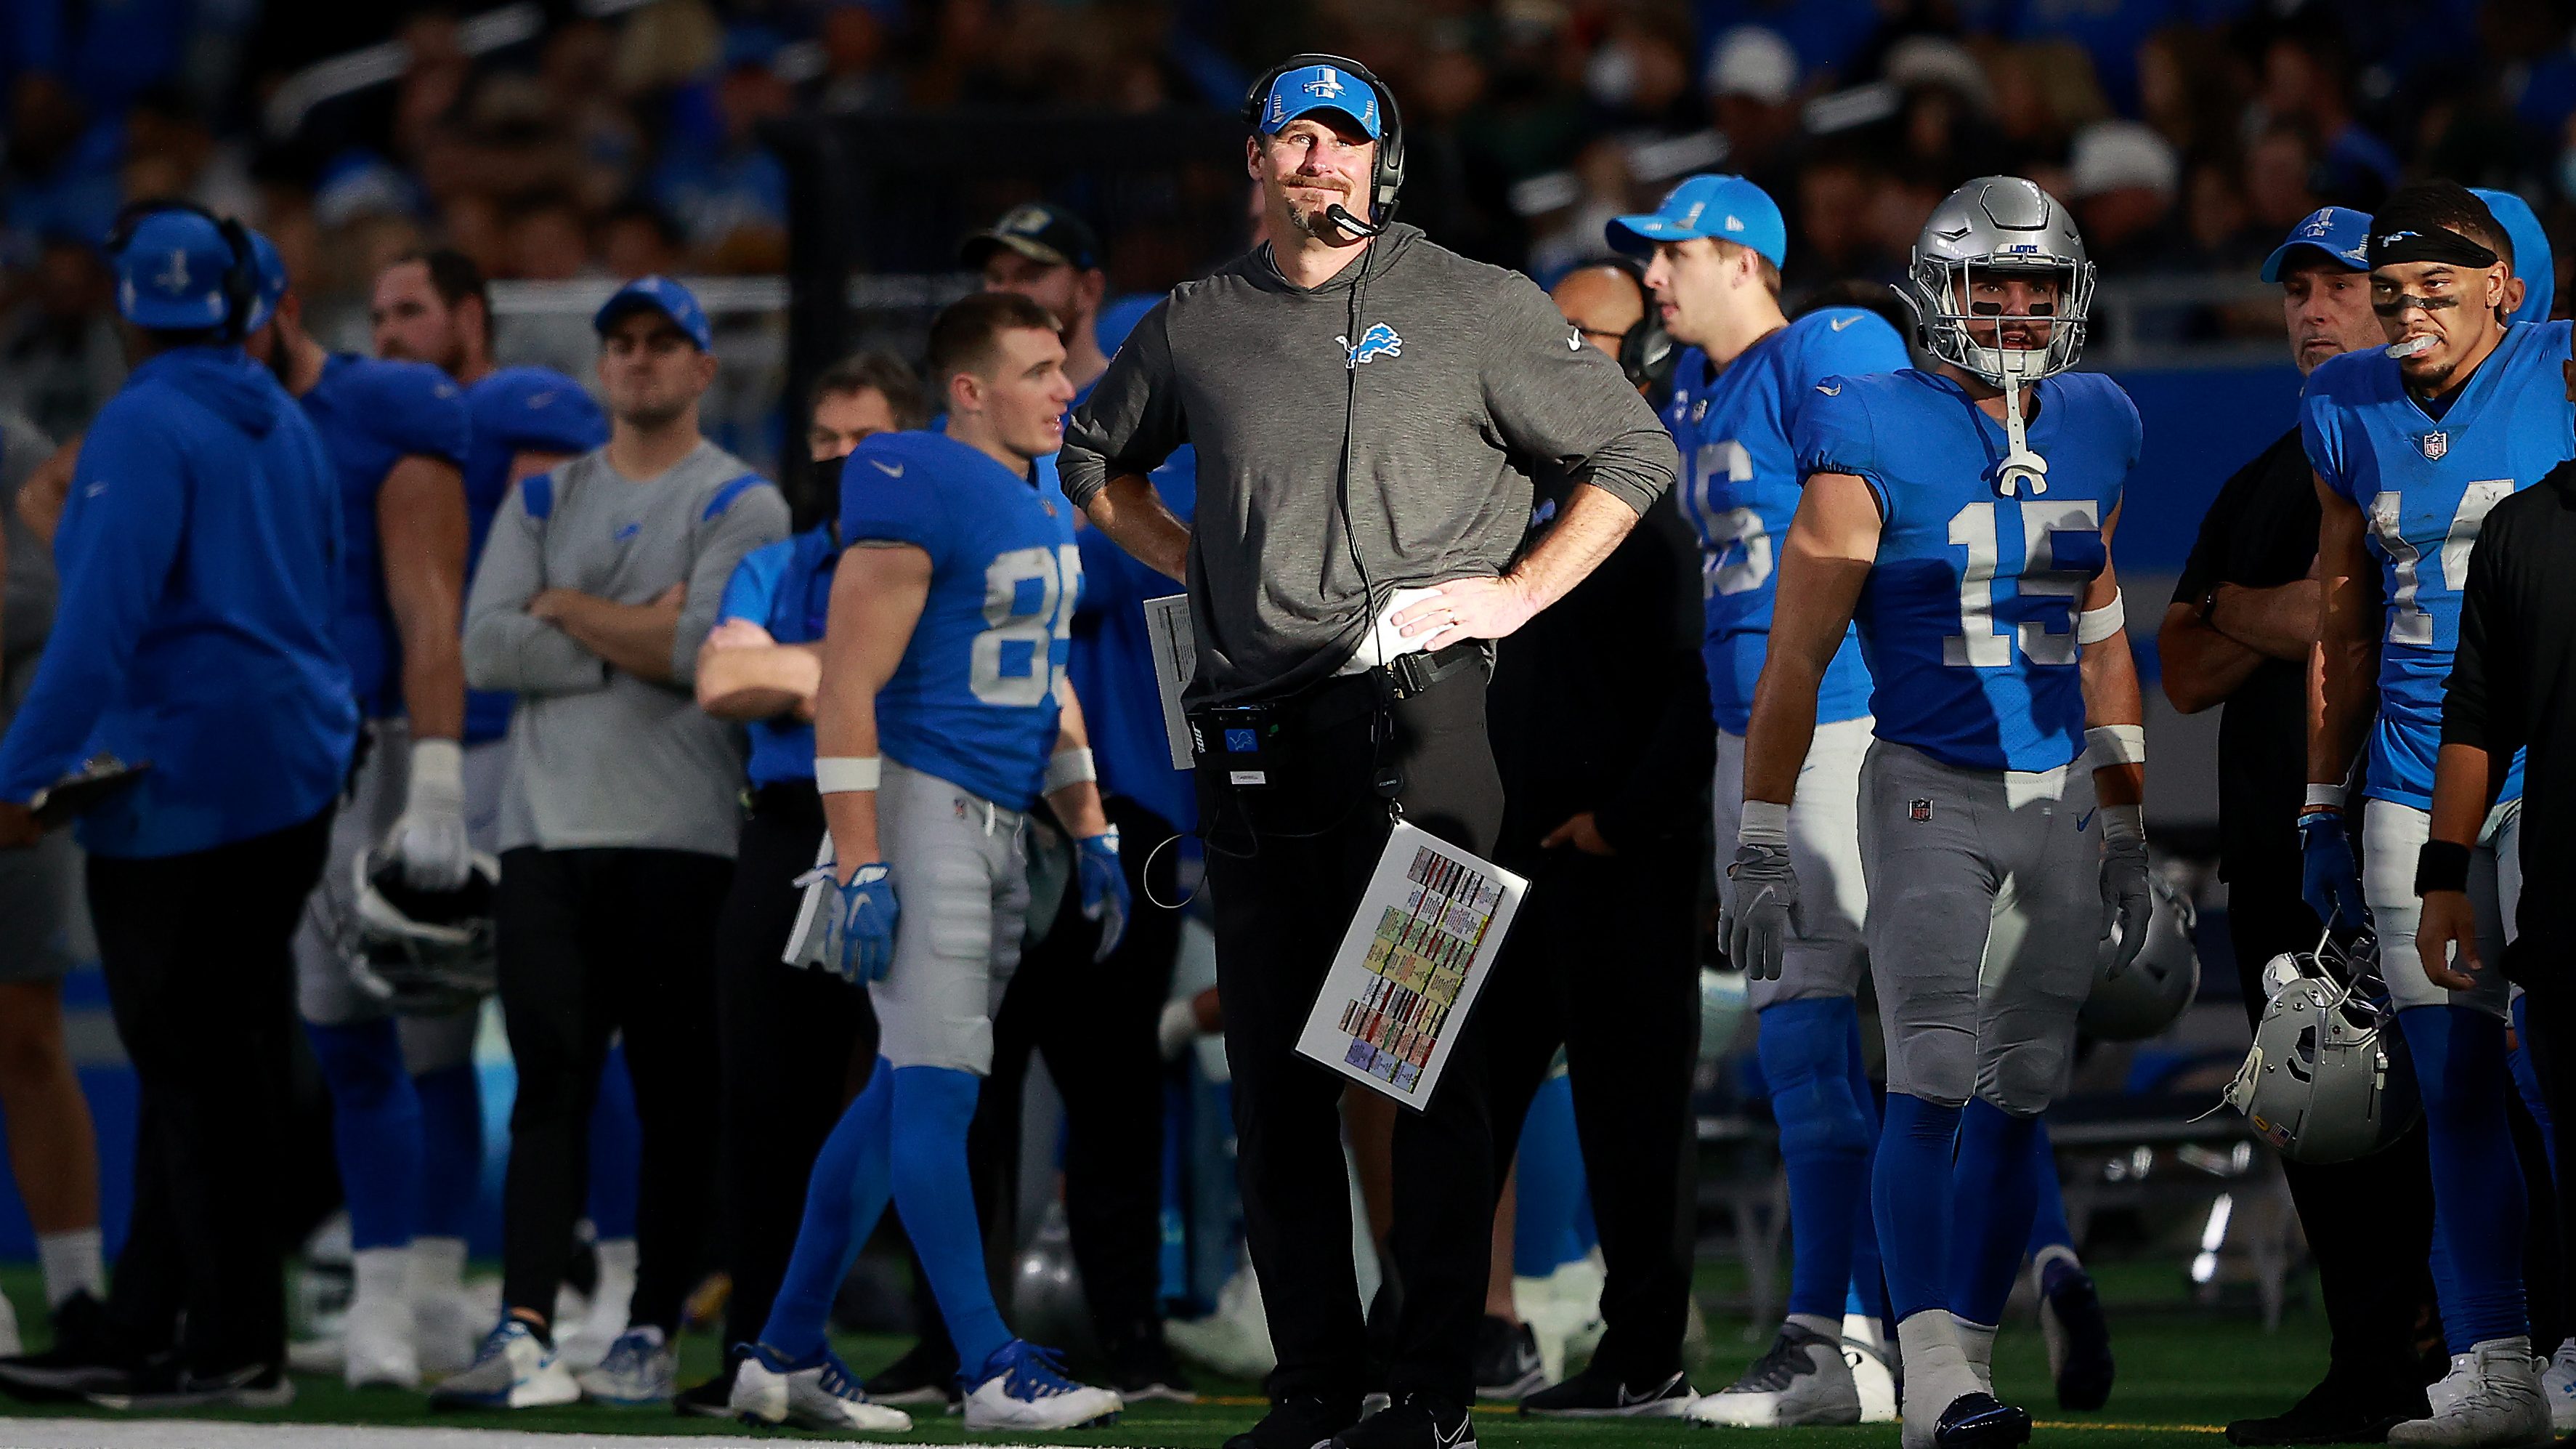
2159	986
2328	1079
420	952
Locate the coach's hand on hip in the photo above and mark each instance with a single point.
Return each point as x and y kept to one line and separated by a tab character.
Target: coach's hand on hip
18	826
1480	608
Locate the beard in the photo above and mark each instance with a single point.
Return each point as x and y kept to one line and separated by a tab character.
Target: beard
652	413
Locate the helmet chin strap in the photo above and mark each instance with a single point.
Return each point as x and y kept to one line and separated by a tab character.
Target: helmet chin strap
2021	467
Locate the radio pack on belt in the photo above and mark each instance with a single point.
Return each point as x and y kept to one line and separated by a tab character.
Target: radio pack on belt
1241	741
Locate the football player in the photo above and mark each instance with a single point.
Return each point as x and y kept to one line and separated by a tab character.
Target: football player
432	307
397	435
1714	251
2412	444
1962	516
943	714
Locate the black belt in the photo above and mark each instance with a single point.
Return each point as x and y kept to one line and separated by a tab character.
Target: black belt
1347	697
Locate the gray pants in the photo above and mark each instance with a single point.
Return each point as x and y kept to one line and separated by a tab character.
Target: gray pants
2391	835
1986	910
959	867
325	993
1825	955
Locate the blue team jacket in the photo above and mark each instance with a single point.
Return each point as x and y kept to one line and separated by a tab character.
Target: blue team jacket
198	552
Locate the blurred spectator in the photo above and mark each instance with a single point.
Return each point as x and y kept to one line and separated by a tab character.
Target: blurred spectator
728	194
2123	179
1605	188
1752	89
638	239
545	241
855	76
2191	89
1944	126
2279	171
59	357
2305	81
1834	237
60	178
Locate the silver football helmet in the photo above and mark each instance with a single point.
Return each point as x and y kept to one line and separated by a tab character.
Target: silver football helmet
2158	986
2001	224
421	953
2328	1078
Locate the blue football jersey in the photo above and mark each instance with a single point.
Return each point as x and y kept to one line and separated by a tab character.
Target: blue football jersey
1968	615
2425	485
973	701
1739	489
372	415
515	410
785	588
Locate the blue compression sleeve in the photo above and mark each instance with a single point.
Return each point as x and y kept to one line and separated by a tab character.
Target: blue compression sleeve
1804	1048
451	1148
1868	1296
853	1178
1993	1189
2526	1080
2048	1227
616	1151
2477	1179
1550	1183
375	1127
1910	1190
932	1108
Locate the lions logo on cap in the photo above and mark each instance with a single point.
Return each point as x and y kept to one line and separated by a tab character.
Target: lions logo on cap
174	278
1024	221
1328	84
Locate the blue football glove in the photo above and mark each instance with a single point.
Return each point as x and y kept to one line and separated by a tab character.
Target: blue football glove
1104	889
2329	875
858	944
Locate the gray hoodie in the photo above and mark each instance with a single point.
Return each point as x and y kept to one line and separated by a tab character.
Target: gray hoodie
1462	380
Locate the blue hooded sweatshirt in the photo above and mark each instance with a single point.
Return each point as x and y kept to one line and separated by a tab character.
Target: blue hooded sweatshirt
198	553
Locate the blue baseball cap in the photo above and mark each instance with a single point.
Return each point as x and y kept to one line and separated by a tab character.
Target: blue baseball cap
1311	88
2339	232
2531	259
272	280
170	272
657	294
1728	208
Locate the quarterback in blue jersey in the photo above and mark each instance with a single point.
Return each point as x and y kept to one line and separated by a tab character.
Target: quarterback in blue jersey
1962	517
1714	250
944	714
432	308
2412	444
397	435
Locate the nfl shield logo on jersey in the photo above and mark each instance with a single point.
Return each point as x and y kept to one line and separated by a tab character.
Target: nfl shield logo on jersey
2435	445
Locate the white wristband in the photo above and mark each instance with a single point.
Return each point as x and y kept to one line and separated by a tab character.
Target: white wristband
2095	625
2124	824
2329	796
1069	767
2108	745
842	774
1763	823
438	765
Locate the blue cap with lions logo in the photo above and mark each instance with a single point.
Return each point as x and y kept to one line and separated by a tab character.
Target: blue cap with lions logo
658	294
1311	88
1726	208
2339	232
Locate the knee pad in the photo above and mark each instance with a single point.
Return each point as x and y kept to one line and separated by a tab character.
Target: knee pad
2024	1079
362	1063
1804	1049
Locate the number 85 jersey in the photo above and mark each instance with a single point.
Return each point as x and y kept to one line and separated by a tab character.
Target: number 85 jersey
1968	616
2424	485
1739	488
973	700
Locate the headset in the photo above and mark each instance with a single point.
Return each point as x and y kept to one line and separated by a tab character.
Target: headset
1387	178
1646	350
241	278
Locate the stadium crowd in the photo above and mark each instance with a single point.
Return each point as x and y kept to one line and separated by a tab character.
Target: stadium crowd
387	677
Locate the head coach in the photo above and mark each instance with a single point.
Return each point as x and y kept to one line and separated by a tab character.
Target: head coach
1368	410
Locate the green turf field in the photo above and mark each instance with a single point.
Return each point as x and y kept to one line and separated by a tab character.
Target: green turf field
2183	1372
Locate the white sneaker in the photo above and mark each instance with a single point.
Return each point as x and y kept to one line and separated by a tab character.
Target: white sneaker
2457	1381
10	1344
2499	1407
376	1345
1023	1387
603	1318
639	1369
326	1355
514	1370
443	1331
2558	1386
1804	1379
820	1393
1875	1379
1235	1339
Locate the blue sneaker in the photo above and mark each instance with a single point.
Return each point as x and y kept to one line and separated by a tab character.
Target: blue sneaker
513	1370
1022	1386
811	1393
640	1369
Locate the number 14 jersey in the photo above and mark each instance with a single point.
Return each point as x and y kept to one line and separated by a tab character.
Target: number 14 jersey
2424	485
973	701
1968	616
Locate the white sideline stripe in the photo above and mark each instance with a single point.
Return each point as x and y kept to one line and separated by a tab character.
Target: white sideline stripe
212	1434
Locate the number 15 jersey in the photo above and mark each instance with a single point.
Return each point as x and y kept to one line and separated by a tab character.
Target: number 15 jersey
1968	616
2424	485
1739	488
973	700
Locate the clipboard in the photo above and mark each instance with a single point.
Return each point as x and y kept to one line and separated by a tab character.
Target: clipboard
84	790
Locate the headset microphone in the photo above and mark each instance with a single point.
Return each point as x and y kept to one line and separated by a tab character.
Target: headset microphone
1342	218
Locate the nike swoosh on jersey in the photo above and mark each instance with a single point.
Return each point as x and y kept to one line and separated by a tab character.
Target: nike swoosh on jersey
2084	822
1574	344
891	470
1839	323
1830	389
